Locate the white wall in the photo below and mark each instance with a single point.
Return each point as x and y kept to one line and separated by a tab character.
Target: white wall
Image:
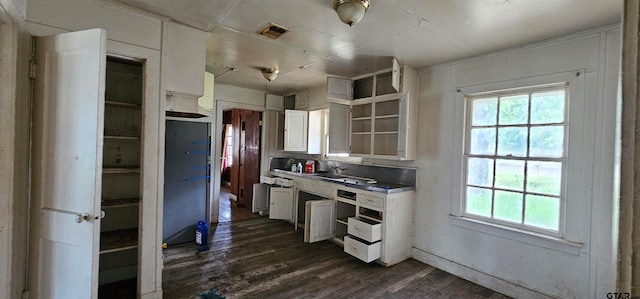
507	262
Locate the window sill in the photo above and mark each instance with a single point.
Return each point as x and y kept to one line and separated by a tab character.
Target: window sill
523	236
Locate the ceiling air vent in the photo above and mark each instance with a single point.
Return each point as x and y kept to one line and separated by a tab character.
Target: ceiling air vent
272	30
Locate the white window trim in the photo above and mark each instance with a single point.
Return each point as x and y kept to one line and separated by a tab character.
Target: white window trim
578	173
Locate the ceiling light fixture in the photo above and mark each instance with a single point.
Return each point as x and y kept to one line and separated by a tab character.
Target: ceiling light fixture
270	74
350	11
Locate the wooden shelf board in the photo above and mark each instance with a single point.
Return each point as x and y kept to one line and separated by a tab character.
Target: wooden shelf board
386	132
123	104
361	118
387	116
343	220
122	137
360	133
118	240
116	170
370	217
120	202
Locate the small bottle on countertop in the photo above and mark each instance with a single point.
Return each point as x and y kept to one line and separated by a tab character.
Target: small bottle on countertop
294	168
300	167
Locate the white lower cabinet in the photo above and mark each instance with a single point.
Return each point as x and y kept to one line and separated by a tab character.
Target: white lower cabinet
371	226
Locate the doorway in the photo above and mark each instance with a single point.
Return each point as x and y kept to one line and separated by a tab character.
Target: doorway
186	179
240	168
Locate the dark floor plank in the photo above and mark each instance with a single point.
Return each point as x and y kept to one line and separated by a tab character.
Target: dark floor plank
262	258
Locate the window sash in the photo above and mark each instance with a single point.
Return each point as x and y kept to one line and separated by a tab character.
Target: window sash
529	91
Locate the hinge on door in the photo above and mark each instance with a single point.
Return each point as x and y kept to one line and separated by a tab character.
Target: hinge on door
260	123
32	69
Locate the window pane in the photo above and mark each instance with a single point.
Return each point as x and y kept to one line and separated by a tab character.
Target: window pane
480	172
483	141
508	206
542	211
514	110
547	107
547	141
512	141
484	112
479	201
544	177
510	174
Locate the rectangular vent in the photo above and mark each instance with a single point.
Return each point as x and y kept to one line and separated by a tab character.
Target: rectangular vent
272	30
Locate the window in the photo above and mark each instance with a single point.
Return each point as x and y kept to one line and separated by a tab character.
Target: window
515	157
228	141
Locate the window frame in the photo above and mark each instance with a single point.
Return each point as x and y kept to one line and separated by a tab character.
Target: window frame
529	90
580	144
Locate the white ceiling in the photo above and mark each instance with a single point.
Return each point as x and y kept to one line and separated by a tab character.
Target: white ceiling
417	32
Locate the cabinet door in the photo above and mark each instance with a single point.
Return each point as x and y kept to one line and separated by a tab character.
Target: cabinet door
339	124
295	130
403	126
339	88
319	220
68	113
281	203
185	57
302	100
315	135
395	75
274	102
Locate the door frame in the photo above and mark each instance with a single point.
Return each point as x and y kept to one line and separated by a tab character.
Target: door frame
220	107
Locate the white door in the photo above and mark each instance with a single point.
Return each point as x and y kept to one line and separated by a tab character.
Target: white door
68	112
281	203
339	121
319	220
295	130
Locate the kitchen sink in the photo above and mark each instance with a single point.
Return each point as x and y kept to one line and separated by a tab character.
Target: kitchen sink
347	179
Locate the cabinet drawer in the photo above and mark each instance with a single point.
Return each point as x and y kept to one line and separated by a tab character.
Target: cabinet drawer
284	182
362	251
371	201
267	180
368	230
315	187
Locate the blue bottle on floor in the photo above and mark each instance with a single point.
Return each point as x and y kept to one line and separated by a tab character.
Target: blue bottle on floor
202	235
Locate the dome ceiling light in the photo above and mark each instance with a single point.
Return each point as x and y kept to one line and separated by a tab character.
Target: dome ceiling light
350	11
270	74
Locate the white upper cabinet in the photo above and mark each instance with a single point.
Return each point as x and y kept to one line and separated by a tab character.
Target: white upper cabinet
302	100
339	88
381	120
339	116
274	102
296	124
184	55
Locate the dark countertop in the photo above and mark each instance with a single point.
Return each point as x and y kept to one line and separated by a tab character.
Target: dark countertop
381	187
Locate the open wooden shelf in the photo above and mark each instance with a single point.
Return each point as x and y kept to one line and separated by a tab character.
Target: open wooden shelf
117	240
112	137
120	202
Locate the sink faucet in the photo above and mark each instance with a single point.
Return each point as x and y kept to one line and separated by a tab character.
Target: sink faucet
337	170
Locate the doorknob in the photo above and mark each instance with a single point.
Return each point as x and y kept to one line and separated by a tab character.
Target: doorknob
82	217
102	214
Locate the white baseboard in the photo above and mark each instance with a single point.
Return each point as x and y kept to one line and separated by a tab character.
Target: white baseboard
477	277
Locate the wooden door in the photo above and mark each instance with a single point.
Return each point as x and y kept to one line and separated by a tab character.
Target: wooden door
68	113
319	220
250	155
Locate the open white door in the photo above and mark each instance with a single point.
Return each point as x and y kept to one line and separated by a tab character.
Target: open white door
68	112
281	203
319	220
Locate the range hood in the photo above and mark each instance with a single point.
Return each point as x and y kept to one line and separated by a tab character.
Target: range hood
185	106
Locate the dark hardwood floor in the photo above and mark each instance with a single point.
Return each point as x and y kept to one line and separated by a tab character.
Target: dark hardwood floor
262	258
228	211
